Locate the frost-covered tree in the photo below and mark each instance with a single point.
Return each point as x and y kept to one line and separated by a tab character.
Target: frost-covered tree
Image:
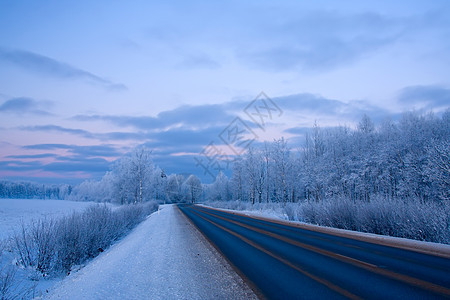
192	189
159	184
220	189
282	167
437	169
141	173
129	181
174	188
404	160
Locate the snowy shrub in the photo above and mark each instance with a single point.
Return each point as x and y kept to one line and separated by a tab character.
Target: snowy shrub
42	236
412	219
6	281
290	211
309	213
11	287
340	213
54	246
382	217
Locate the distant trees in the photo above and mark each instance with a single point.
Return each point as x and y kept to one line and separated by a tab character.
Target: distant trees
192	189
403	160
174	191
220	189
391	179
134	179
31	190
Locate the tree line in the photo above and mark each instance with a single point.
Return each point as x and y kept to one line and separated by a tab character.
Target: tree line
135	179
31	190
403	160
396	160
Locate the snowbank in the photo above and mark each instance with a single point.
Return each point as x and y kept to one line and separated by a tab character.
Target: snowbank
165	257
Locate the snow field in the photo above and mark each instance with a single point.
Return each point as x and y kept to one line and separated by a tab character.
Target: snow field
14	212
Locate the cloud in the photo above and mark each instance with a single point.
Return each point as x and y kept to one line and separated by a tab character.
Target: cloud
190	128
198	61
85	165
75	161
187	130
33	156
86	151
24	105
48	66
321	40
186	140
429	97
186	116
87	134
180	164
16	165
47	146
92	166
81	132
321	107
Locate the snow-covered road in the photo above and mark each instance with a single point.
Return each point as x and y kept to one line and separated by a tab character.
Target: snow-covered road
165	257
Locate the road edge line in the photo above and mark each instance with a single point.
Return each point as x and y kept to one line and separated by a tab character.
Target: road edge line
244	278
384	240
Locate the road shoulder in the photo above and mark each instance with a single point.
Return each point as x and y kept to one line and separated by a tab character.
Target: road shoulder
165	257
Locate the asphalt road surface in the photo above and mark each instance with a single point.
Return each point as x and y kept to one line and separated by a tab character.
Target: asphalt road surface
281	261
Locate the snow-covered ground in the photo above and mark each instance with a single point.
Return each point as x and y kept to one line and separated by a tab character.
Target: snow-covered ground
268	211
165	257
15	211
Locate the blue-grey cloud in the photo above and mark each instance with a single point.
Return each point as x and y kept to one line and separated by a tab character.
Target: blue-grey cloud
87	134
322	40
22	105
93	167
76	150
177	135
87	160
186	116
318	106
80	132
47	146
85	165
17	165
33	156
190	128
180	164
431	96
51	67
198	61
184	140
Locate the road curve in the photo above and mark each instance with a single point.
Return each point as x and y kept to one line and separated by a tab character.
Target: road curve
286	262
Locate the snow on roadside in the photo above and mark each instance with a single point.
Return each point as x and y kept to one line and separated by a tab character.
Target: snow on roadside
165	257
264	212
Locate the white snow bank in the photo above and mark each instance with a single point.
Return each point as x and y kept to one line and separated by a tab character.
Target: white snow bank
165	257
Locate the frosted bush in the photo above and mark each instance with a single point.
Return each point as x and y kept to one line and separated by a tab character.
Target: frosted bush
54	246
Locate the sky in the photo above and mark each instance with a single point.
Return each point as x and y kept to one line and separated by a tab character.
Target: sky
197	82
